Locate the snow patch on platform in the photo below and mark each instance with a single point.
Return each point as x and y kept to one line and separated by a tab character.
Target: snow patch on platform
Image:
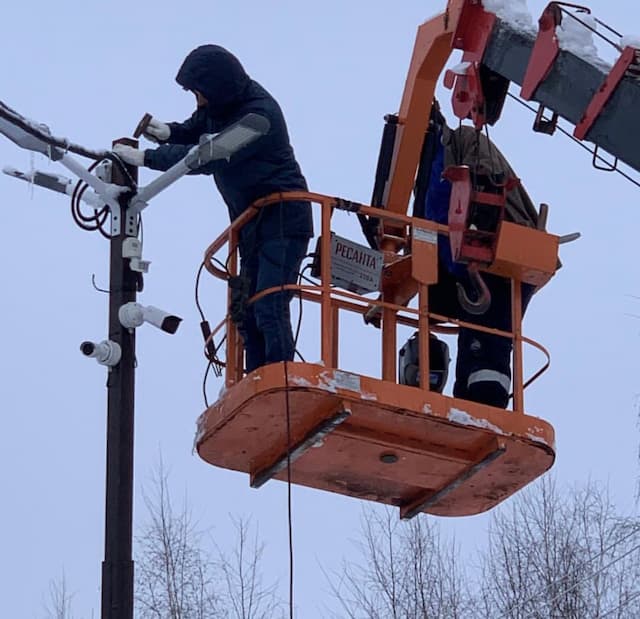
298	381
463	418
369	396
332	380
537	439
199	433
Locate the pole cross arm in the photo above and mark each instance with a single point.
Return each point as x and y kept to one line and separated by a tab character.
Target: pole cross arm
37	137
212	147
29	140
54	182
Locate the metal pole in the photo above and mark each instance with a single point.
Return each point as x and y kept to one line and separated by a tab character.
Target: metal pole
117	567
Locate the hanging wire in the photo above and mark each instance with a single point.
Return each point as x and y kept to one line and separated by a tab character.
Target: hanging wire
215	362
204	384
622	604
593	574
300	305
289	489
87	222
95	285
283	297
197	291
131	182
98	219
593	152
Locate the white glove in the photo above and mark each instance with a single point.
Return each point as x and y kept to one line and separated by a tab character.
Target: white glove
129	155
157	131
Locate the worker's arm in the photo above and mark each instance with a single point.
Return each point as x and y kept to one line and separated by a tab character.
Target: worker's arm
167	155
189	131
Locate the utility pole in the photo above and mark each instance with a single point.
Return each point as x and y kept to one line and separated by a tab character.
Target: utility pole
125	315
117	567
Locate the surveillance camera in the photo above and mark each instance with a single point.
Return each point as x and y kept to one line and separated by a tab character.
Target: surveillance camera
132	315
105	353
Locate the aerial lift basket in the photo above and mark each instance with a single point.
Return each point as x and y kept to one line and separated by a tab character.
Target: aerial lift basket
368	436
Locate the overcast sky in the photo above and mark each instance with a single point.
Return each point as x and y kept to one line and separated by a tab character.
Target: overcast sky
90	71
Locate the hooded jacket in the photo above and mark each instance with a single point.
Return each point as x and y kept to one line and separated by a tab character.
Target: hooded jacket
265	166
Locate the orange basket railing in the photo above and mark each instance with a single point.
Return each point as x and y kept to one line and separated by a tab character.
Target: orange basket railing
332	300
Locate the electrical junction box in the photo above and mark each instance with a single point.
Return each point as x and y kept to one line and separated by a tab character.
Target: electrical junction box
354	267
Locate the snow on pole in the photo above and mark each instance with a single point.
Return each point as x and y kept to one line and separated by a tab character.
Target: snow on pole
37	137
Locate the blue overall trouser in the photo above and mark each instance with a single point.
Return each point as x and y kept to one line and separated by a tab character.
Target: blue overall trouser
483	364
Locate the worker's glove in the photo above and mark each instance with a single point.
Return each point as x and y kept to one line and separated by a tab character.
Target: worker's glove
157	131
129	155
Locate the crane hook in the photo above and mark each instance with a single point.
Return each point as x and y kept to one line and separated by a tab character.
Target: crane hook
483	301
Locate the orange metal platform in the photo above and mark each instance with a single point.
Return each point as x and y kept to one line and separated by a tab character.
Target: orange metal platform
418	450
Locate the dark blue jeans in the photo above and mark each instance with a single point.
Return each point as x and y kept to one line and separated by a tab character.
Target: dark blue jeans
266	328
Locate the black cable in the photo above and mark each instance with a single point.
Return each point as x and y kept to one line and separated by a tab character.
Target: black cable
204	384
288	424
211	350
289	501
106	234
299	325
96	287
15	118
593	152
131	184
306	279
197	292
86	222
93	222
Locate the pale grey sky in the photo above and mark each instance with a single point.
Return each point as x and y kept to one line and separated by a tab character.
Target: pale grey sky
90	71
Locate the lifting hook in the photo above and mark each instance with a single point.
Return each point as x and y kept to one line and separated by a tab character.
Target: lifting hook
483	296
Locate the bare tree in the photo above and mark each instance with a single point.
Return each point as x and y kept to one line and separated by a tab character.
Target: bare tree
58	605
561	555
406	572
174	575
245	595
181	574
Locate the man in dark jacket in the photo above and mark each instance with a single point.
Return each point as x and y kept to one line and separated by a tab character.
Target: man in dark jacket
274	243
483	365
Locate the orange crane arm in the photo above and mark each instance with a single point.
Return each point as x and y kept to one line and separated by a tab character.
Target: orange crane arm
602	104
433	46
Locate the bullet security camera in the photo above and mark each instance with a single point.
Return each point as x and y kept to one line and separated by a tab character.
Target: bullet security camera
105	353
132	315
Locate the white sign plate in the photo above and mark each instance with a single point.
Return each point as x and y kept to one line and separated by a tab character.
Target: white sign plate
355	267
428	236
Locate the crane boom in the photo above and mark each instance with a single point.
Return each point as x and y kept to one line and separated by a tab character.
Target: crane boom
603	105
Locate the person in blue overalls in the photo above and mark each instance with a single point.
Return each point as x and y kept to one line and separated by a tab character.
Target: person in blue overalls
483	364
